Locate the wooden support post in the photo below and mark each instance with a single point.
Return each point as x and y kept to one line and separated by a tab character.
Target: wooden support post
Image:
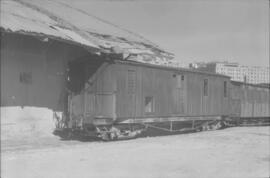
114	106
70	123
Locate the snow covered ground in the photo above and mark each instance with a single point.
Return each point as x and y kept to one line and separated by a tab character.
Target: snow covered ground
19	123
240	152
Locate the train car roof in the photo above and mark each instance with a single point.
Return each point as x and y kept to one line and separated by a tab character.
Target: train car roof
176	69
267	85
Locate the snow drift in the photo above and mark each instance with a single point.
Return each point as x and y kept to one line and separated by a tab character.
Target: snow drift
24	123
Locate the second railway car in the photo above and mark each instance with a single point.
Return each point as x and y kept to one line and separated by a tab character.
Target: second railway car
122	99
249	103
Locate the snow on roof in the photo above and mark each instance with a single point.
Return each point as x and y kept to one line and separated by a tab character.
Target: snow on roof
57	19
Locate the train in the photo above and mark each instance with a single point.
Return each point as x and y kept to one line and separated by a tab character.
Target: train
121	99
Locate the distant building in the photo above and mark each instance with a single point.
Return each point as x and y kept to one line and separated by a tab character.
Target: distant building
249	74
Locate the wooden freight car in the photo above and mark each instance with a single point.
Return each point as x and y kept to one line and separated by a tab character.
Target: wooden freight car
250	103
122	99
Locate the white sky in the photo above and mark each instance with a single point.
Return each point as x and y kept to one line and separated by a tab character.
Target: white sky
195	30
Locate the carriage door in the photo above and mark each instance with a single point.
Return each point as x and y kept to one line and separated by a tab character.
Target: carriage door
180	93
131	89
235	102
235	107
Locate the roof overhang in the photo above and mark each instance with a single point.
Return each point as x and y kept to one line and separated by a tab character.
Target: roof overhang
23	17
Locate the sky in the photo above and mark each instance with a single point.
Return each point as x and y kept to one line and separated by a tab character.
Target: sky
194	30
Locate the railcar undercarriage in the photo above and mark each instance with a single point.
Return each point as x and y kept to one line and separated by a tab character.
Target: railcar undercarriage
106	129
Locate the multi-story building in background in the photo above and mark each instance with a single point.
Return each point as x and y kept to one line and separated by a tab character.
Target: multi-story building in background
248	74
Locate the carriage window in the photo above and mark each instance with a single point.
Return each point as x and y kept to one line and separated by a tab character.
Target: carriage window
149	104
26	77
225	89
205	87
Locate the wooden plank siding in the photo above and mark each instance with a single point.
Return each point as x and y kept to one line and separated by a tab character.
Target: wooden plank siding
163	85
254	101
42	64
213	104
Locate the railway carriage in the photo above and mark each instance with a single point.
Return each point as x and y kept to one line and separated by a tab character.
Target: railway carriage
122	99
250	103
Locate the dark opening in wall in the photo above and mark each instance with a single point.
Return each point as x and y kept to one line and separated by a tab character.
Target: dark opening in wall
80	70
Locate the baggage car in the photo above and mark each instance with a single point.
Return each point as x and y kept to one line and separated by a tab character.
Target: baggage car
250	103
122	99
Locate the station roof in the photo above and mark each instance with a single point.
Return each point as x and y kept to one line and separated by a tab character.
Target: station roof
59	21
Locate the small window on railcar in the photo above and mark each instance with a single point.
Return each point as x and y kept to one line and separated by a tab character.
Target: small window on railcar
180	81
225	89
26	77
182	77
149	104
205	87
